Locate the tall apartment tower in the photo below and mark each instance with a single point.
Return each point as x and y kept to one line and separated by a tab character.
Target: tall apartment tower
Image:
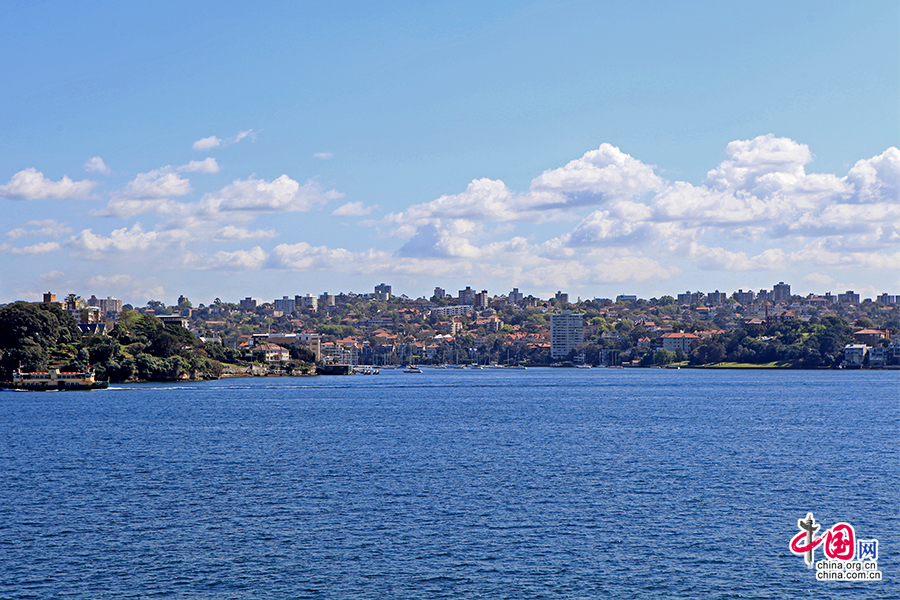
482	300
467	296
566	332
383	292
781	293
515	296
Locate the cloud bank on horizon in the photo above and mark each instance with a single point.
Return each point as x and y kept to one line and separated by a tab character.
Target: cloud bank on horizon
605	217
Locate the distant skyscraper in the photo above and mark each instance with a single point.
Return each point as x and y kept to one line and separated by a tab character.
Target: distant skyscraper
467	296
481	300
515	296
563	298
326	299
566	333
716	298
781	293
285	305
383	292
744	298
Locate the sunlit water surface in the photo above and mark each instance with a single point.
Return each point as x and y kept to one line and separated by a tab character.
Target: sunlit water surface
545	483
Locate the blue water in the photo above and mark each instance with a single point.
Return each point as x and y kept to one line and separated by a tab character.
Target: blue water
546	483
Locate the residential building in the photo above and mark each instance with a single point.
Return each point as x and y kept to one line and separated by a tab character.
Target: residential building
307	302
482	300
248	304
285	305
744	298
439	293
855	354
870	337
848	297
49	298
453	311
781	293
562	298
467	296
626	298
674	342
515	296
716	298
383	292
883	299
326	299
878	356
566	333
172	320
274	352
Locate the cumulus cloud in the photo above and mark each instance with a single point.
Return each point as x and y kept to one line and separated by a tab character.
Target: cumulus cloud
254	196
32	250
96	165
353	209
134	240
877	179
208	165
232	233
207	143
155	185
239	260
41	227
30	184
598	177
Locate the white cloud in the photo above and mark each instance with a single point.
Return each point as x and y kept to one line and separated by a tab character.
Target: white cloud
877	179
32	250
353	209
207	143
44	227
207	165
97	246
240	136
251	196
819	279
304	257
30	184
155	185
324	155
232	233
96	165
51	276
241	260
600	176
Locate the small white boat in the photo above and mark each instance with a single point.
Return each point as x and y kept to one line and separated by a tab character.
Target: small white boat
412	369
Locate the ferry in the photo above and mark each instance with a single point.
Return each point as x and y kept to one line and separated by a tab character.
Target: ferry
55	380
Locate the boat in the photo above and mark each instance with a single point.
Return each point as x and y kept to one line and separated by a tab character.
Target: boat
412	369
54	379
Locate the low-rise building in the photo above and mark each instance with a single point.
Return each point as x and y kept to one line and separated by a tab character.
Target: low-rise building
685	342
855	354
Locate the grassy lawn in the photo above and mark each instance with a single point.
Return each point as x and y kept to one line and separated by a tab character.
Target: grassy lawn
736	365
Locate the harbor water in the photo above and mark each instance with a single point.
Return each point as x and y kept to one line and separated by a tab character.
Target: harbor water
538	483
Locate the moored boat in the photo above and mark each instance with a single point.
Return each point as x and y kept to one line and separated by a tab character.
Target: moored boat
54	379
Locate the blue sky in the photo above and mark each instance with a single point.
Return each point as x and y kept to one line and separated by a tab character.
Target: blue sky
223	150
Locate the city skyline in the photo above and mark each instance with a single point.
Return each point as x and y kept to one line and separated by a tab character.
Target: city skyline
292	149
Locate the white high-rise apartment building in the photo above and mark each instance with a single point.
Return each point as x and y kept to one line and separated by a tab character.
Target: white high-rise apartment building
566	332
